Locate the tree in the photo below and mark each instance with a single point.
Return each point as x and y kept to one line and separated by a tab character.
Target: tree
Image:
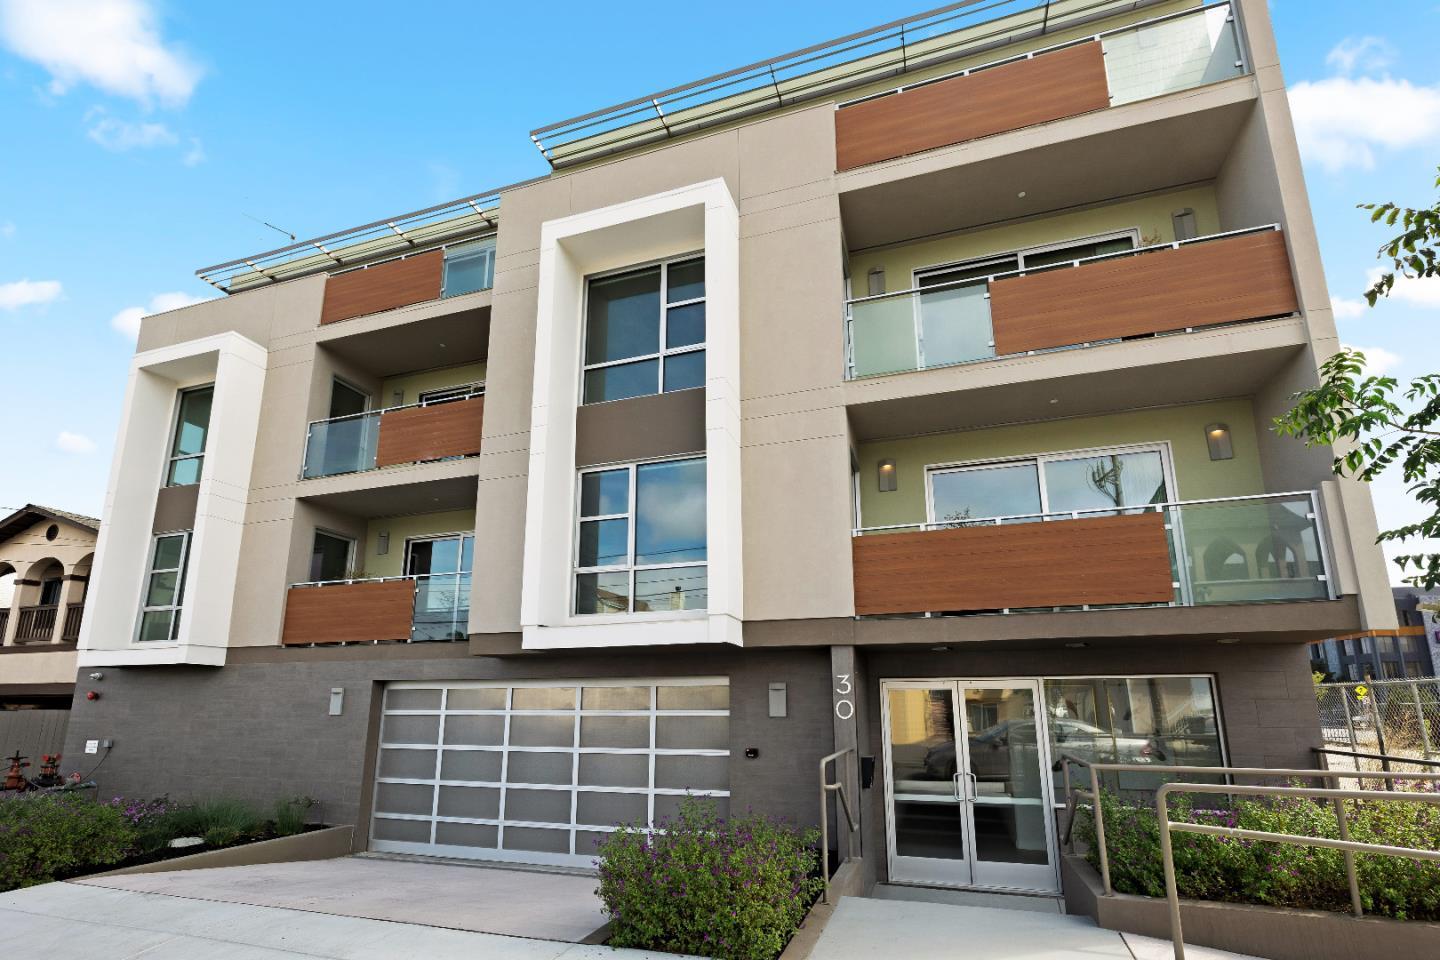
1375	421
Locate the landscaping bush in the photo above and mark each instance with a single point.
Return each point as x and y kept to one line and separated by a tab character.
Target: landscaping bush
290	814
1273	874
48	836
150	820
702	885
220	822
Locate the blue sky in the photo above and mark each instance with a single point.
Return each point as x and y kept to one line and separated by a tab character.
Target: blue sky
142	139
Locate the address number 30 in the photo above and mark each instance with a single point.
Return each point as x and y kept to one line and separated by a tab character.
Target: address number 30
844	706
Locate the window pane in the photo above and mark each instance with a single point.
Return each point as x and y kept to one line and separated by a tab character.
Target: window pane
470	268
193	422
604	543
615	698
556	768
709	697
622	382
685	325
155	626
1109	480
624	732
543	698
1078	251
686	281
670	512
680	588
168	553
330	557
185	472
685	371
602	593
973	271
623	316
162	589
604	493
962	495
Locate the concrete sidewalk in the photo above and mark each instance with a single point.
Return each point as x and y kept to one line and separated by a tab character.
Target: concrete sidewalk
75	921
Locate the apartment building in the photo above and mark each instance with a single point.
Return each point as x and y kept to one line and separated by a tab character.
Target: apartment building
45	560
1407	651
909	394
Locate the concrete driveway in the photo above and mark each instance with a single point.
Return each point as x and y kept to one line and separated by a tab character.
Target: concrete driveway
353	908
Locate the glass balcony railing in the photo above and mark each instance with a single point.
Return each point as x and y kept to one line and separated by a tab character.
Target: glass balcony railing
421	608
951	323
1251	549
351	444
1170	54
442	607
342	445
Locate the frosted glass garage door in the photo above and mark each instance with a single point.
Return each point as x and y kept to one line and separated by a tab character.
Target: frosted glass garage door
539	772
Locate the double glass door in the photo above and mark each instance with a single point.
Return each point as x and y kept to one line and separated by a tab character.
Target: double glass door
967	786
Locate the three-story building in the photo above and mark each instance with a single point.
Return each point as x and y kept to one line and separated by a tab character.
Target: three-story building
910	393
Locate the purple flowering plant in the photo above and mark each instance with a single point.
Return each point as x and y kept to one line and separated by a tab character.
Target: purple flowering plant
703	885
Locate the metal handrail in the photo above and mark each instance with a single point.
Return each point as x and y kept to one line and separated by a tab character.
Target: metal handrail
837	788
404	576
479	392
1065	264
1350	847
1098	814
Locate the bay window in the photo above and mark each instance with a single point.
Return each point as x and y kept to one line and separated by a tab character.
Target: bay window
641	538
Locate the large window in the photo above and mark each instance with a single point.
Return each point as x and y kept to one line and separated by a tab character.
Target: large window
469	267
645	331
187	447
1024	489
164	589
332	557
1030	259
1159	721
641	543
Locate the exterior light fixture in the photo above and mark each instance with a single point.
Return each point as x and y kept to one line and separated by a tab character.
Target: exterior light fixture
1217	438
886	472
875	281
382	543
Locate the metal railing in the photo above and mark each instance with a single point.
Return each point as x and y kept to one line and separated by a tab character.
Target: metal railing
4	621
1344	843
349	444
948	324
35	624
843	805
921	42
441	609
1278	538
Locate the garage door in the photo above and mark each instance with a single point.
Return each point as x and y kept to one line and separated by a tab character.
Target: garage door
538	772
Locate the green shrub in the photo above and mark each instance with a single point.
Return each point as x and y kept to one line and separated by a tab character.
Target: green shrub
1235	870
219	822
707	886
47	836
290	813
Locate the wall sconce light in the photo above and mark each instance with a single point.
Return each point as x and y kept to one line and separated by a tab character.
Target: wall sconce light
875	281
1217	438
382	543
888	480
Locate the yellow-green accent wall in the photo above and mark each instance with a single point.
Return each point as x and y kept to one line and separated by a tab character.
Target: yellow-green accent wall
1197	477
1150	215
414	384
403	528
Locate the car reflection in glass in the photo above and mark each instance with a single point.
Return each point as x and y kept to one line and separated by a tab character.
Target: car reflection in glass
990	749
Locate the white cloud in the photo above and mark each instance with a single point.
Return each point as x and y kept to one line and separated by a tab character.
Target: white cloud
1342	121
127	321
7	229
23	293
195	155
1347	309
114	45
1370	54
1378	360
119	135
74	442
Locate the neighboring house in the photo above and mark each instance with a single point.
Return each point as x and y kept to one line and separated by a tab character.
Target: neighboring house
45	560
1410	650
790	412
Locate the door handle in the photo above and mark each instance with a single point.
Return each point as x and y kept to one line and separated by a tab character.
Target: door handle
974	786
956	788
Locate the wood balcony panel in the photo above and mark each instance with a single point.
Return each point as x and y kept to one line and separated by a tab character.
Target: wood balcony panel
349	612
1244	277
1061	563
384	287
1052	86
415	434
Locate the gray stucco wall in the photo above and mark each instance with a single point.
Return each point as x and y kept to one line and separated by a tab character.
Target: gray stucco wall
258	728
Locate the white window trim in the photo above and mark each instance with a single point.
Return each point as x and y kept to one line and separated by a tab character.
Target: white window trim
468	250
171	457
629	567
665	307
1161	447
175	609
410	541
335	534
463	391
1130	233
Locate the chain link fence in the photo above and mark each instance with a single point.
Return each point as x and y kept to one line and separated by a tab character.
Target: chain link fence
1398	718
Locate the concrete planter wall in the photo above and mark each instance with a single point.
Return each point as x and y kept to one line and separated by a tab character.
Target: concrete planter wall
322	844
849	881
1270	932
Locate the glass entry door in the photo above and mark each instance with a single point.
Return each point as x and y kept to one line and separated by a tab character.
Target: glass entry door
967	794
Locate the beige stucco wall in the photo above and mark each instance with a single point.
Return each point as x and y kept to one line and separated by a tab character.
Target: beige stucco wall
1197	477
1150	216
392	564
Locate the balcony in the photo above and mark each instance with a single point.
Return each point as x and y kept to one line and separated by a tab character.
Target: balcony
36	624
446	271
1206	281
412	609
1132	63
1251	549
430	430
